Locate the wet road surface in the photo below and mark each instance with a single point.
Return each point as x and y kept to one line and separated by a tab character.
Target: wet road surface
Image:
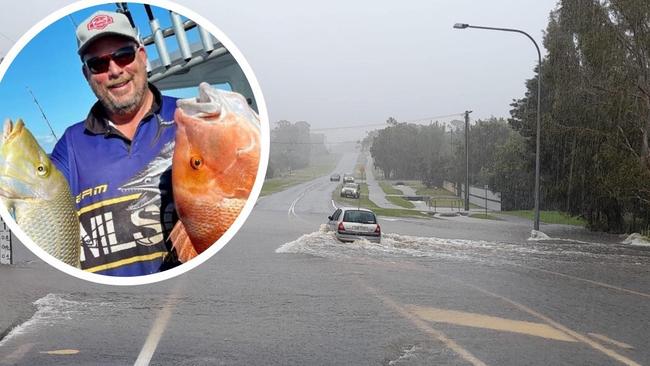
449	291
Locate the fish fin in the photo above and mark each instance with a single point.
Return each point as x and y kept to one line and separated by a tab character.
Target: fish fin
181	242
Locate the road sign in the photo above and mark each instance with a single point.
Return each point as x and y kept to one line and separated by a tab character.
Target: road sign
5	243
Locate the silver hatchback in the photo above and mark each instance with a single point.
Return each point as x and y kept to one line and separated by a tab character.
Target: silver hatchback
350	224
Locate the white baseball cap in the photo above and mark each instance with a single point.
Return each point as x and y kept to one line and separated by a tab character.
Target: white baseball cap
103	23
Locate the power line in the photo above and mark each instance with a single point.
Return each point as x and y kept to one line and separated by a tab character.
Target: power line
7	37
384	123
313	143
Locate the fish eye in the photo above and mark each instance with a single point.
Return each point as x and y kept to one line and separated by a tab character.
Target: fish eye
196	162
41	170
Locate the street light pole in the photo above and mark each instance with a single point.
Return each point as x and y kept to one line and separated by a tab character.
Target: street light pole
539	96
467	160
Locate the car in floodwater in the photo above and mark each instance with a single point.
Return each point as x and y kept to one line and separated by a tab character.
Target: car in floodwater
350	224
350	190
335	177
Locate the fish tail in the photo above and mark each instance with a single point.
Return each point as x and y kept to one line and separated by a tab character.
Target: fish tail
182	243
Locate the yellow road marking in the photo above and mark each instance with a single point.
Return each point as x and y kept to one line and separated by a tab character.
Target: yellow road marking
595	345
643	294
17	355
489	322
108	203
424	327
609	340
62	352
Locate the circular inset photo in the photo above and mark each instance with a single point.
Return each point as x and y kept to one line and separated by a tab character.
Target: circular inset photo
135	141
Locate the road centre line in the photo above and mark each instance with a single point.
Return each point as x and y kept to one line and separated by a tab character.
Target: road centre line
426	328
292	207
158	327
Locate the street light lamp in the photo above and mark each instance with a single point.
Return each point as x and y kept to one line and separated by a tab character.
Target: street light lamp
539	96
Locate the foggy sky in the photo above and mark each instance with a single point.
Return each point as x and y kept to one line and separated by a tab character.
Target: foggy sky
345	63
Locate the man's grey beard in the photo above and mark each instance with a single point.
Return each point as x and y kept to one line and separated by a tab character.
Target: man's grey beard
120	108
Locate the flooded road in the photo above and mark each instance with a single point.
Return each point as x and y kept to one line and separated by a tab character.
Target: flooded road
555	250
452	291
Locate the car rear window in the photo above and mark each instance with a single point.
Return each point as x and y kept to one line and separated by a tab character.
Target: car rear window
361	217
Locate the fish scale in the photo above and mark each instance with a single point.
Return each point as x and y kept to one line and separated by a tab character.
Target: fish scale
216	156
51	225
37	195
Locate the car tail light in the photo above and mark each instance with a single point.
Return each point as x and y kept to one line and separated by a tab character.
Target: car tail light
378	230
341	228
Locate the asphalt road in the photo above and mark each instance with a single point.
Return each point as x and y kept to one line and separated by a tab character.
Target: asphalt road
452	291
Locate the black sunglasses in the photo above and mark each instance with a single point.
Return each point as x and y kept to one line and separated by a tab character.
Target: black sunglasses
122	57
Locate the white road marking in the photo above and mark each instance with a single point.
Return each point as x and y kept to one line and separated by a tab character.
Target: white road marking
609	340
595	345
424	327
292	207
158	328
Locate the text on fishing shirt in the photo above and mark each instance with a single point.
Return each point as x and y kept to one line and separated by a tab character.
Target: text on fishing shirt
122	190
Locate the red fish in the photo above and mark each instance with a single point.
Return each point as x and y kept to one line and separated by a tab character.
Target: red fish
216	156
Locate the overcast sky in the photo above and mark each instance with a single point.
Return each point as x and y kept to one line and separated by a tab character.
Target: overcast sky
345	63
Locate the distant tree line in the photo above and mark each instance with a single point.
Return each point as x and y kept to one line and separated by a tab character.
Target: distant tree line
595	155
292	146
436	152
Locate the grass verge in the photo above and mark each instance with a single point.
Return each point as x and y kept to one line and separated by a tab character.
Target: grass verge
365	202
388	188
390	191
399	201
320	166
484	216
549	217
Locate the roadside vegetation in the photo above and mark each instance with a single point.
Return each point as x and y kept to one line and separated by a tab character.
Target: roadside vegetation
399	201
388	188
318	166
365	202
549	217
594	117
392	195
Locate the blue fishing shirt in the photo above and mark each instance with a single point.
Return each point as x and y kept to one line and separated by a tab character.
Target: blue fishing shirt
122	189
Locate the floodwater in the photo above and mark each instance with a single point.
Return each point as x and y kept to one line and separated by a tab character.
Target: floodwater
324	244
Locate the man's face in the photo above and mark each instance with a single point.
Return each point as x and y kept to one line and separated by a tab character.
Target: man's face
120	89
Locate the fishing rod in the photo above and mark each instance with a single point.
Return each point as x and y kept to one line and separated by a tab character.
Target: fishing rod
42	113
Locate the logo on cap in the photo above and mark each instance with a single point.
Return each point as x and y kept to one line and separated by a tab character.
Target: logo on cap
99	22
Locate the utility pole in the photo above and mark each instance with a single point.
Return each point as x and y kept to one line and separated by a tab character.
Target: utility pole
539	106
467	160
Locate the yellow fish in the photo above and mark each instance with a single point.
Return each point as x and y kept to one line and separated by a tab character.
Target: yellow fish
37	194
